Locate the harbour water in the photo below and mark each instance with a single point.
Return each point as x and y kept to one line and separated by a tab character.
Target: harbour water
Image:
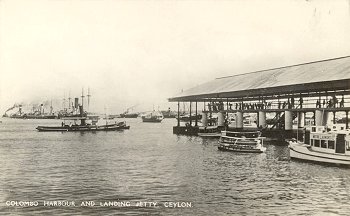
150	164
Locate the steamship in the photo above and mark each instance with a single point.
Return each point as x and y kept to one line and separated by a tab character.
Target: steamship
35	114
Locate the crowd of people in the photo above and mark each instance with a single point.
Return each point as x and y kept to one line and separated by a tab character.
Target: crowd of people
290	103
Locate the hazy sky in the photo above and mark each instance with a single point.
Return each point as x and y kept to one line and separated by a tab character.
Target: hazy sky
142	52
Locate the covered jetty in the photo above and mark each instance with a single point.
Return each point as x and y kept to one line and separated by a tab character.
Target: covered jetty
289	92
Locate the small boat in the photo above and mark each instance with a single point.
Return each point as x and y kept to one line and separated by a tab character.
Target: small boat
152	117
324	145
187	117
209	131
249	142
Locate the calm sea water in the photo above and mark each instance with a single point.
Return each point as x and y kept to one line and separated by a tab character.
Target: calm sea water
150	164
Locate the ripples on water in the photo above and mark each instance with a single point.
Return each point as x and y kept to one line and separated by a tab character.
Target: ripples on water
149	163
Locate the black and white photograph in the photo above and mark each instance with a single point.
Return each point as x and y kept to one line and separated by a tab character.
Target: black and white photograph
174	107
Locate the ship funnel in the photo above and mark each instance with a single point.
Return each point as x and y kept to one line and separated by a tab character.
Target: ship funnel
76	103
81	110
20	109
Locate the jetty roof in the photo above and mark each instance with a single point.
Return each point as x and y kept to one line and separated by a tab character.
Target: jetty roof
325	75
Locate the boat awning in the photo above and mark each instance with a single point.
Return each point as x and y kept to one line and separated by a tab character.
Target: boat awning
325	75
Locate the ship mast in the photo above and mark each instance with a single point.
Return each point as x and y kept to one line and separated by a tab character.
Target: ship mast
64	100
82	97
88	96
69	100
51	108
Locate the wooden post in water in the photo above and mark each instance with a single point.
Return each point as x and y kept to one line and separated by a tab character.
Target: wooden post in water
178	114
314	112
227	109
190	113
196	121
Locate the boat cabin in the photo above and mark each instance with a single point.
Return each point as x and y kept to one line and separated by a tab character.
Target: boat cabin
328	140
254	134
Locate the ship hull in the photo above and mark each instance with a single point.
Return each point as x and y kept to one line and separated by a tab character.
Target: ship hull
151	120
82	128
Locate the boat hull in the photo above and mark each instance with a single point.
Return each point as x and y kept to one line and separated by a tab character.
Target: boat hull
81	128
151	120
237	148
216	135
302	152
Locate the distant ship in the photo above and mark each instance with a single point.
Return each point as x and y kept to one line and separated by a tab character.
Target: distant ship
169	114
35	114
187	117
86	123
154	116
127	114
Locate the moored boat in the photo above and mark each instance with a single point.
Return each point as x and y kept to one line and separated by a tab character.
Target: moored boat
188	117
249	142
209	131
322	145
152	117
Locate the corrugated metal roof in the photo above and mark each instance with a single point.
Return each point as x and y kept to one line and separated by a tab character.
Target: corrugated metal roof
301	74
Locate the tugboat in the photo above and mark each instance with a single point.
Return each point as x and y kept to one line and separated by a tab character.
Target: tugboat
249	142
323	145
153	117
87	123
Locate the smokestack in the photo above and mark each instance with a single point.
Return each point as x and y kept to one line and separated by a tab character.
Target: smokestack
20	109
81	110
76	103
41	108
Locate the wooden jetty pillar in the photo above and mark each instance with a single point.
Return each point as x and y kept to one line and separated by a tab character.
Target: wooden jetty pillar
191	113
178	114
196	120
239	119
301	119
321	117
205	119
221	119
262	119
288	120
